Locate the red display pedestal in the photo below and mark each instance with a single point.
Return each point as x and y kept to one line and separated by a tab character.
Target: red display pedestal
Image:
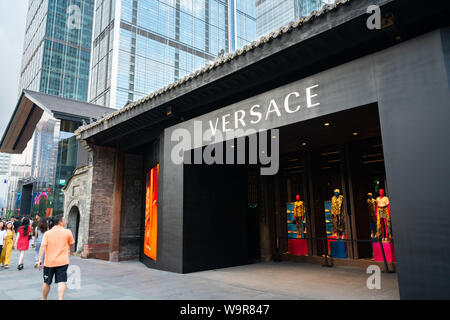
388	251
298	247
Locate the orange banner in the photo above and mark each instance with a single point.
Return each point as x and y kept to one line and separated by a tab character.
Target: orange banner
151	213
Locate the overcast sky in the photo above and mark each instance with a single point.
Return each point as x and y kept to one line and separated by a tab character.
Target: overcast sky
13	15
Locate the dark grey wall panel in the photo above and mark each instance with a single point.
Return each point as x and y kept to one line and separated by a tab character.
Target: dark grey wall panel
215	217
169	225
170	208
445	38
414	105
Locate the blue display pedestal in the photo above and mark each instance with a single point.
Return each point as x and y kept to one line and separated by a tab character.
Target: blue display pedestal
338	249
291	227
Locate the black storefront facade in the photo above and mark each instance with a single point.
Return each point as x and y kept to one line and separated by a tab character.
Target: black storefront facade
355	117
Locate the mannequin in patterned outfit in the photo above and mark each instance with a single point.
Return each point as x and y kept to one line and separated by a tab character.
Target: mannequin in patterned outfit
337	214
299	216
384	230
372	207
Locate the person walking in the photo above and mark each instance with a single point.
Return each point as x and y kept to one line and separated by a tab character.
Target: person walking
2	235
35	222
57	245
41	228
8	244
50	223
23	240
16	224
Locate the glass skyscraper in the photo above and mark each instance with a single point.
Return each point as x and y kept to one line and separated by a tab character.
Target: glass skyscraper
140	46
57	46
273	14
56	61
5	160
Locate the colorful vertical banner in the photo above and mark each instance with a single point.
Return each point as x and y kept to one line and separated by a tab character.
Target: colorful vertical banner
151	213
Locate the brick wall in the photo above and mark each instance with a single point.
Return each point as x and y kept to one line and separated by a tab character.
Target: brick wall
102	190
91	190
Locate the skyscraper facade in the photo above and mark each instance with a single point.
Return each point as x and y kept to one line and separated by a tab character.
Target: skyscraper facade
55	61
273	14
5	160
139	46
57	46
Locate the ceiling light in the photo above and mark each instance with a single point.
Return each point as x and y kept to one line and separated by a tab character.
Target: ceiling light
326	124
355	133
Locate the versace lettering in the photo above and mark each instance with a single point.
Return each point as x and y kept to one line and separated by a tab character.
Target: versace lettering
241	118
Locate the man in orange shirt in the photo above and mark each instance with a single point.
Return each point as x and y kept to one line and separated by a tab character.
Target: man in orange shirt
57	244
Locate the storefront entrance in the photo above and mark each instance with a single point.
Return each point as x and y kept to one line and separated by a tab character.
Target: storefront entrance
333	169
236	216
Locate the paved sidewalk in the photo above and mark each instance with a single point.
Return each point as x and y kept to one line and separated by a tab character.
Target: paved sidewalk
101	280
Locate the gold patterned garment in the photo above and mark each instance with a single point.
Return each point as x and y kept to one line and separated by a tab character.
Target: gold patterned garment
299	210
383	202
383	212
299	215
337	214
384	226
336	205
372	205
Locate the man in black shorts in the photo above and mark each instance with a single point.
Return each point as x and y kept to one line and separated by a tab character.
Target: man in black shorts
57	244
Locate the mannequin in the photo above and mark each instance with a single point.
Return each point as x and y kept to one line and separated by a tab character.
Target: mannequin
299	216
384	230
372	206
337	214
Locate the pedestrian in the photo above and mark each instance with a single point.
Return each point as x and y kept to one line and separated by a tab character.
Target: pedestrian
2	235
8	244
32	228
16	224
36	220
23	240
41	228
57	245
50	223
